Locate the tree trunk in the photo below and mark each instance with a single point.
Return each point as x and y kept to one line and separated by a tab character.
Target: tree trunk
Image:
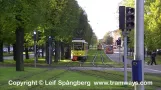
68	52
14	52
59	50
26	53
19	49
1	51
56	51
62	50
9	48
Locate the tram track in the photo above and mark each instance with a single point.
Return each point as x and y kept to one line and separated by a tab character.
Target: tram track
101	58
93	61
103	75
55	77
24	78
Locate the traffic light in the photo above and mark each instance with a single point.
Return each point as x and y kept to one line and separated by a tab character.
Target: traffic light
39	35
34	36
122	17
128	39
118	42
130	18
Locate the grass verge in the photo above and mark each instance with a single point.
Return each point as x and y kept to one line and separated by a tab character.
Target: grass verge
92	52
63	77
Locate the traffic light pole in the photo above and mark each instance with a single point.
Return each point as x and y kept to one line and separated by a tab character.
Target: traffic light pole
125	55
139	37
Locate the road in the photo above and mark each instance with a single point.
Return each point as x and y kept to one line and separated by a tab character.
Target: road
147	68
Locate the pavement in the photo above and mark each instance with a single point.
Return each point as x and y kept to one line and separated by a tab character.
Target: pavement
117	57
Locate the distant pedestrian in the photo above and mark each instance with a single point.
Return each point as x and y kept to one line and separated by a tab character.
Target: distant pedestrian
153	55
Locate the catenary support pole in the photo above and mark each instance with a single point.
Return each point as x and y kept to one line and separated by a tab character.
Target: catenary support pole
139	36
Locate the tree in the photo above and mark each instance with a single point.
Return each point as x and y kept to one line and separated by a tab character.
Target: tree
151	23
108	39
154	25
20	17
94	39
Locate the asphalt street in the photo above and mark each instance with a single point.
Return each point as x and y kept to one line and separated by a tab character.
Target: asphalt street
117	57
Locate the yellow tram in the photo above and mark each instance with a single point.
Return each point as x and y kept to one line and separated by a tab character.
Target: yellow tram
79	50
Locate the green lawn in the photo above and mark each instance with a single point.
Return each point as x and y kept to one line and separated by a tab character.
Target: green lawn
91	54
62	75
8	54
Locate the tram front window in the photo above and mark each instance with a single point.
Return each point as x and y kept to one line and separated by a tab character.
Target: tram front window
78	46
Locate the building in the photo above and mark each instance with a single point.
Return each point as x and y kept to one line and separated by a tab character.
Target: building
115	34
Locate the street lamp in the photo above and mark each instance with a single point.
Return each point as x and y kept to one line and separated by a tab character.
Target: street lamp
35	46
50	47
34	32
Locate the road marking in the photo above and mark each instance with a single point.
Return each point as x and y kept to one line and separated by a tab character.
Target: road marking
154	70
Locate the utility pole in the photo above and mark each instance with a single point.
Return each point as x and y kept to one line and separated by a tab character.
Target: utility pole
139	37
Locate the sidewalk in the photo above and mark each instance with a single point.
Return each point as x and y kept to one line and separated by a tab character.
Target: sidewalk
147	68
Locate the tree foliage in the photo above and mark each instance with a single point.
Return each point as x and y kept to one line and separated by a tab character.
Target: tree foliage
152	22
58	18
108	39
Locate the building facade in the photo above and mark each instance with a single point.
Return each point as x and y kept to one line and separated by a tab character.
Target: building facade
115	34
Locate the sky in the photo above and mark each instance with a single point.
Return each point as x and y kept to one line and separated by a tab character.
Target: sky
102	15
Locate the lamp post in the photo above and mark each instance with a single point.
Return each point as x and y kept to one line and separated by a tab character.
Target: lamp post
50	47
35	46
